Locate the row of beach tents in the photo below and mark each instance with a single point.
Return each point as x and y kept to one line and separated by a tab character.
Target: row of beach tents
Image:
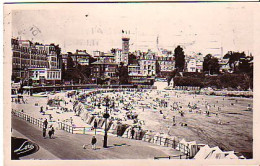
203	151
193	149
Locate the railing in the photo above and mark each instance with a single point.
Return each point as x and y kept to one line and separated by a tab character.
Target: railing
28	118
162	141
79	130
82	130
65	127
172	157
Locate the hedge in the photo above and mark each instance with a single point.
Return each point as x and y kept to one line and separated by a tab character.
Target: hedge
229	81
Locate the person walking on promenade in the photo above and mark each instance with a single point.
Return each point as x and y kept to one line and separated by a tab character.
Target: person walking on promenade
132	132
95	126
44	132
45	124
93	142
51	132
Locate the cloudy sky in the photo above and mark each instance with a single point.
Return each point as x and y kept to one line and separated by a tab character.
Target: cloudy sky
198	27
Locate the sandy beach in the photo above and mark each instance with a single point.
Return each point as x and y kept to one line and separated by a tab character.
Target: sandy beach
228	125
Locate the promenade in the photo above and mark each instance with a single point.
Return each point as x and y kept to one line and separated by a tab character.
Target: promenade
69	146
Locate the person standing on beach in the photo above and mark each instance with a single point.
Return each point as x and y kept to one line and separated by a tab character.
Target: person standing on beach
93	142
41	111
173	121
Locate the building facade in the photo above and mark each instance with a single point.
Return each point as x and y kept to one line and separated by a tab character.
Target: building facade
44	75
28	56
165	65
105	69
81	57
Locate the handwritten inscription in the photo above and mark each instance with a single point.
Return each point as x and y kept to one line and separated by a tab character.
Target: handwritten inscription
35	30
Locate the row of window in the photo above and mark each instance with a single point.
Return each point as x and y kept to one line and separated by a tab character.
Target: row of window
149	67
28	50
166	62
149	73
53	75
167	68
149	62
111	74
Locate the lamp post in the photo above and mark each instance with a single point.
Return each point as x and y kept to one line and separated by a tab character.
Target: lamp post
106	116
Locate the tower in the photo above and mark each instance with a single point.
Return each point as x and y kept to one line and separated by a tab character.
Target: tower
125	50
125	45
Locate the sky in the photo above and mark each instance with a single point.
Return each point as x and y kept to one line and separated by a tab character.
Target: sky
197	27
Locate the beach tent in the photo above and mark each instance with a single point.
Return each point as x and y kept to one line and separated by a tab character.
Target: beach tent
127	133
194	148
181	144
84	115
241	157
215	153
90	119
112	127
231	155
101	123
95	118
109	124
222	155
203	152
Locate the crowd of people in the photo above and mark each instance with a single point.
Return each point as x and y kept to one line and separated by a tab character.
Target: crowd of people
137	108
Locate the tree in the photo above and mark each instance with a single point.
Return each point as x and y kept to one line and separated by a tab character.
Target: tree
206	62
211	64
214	66
179	58
234	58
132	59
173	74
113	51
244	65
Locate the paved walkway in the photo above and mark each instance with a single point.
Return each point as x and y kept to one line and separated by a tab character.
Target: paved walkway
70	146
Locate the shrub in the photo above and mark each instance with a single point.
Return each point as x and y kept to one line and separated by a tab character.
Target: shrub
232	81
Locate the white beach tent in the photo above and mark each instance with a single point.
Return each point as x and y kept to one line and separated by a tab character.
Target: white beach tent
181	144
215	153
193	148
231	155
203	152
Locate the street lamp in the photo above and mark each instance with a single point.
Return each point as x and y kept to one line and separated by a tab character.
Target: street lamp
106	116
